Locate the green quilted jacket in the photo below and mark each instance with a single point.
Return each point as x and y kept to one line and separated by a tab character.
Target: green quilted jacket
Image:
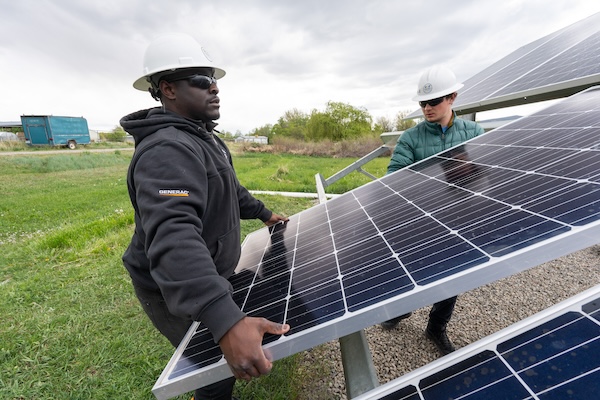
427	139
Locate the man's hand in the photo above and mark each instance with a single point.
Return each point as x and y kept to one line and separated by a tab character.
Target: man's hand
275	218
242	346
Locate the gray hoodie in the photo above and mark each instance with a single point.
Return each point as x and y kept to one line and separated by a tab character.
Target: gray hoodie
188	204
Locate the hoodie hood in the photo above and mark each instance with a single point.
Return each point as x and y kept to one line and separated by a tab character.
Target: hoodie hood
143	123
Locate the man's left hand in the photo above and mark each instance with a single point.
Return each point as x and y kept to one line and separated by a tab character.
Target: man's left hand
275	218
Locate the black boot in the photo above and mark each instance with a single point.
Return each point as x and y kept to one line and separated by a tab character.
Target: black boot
391	324
437	334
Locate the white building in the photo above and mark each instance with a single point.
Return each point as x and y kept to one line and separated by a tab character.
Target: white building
252	139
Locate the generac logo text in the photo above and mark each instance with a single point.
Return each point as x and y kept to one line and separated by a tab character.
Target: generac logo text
173	192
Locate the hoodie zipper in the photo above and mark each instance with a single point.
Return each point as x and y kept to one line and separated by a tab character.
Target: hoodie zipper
212	135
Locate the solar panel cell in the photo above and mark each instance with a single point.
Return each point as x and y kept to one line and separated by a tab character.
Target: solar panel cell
592	307
317	306
576	205
576	165
441	256
472	211
586	387
380	281
522	188
470	378
267	289
380	212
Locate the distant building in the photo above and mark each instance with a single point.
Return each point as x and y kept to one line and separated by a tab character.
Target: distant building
252	139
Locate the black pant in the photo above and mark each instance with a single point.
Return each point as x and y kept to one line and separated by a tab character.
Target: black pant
441	312
174	328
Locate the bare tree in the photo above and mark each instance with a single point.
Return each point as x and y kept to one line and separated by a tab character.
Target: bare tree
384	124
402	124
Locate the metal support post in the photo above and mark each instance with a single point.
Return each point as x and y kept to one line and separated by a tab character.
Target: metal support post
357	361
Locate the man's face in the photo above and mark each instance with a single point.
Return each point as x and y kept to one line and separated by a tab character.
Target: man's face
196	98
439	113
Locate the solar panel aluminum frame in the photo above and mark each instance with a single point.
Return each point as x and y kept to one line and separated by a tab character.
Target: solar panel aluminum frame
413	378
579	237
533	95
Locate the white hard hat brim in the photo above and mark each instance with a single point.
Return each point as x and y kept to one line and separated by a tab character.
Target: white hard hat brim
143	84
435	95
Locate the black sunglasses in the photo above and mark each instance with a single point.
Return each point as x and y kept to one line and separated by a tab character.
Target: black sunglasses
199	81
432	102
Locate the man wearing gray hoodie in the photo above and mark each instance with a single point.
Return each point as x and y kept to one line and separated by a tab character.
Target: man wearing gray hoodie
188	204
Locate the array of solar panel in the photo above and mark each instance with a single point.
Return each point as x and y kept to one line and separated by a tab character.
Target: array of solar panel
554	355
501	203
564	62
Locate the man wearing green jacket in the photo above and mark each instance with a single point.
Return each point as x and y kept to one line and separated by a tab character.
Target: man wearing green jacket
440	130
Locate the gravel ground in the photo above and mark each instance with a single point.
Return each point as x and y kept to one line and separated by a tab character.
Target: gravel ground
478	313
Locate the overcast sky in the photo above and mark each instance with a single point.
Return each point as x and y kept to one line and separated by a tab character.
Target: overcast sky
80	58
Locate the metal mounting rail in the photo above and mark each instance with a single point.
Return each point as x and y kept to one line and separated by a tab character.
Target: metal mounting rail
322	183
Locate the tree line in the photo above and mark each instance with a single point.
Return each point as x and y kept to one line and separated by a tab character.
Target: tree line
338	122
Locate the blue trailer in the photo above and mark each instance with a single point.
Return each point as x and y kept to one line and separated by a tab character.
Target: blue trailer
55	131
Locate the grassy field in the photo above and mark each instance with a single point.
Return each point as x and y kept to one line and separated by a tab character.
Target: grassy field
23	147
71	326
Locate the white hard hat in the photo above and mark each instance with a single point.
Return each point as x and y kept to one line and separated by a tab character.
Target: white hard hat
436	82
171	52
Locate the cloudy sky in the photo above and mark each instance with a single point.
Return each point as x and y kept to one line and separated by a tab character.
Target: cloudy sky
80	58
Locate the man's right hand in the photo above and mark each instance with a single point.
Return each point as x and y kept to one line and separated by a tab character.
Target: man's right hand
242	346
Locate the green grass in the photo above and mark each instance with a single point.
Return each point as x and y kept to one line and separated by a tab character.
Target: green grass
64	162
71	326
290	173
22	146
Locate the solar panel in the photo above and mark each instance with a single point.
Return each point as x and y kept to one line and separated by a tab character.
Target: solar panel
554	354
557	65
501	203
